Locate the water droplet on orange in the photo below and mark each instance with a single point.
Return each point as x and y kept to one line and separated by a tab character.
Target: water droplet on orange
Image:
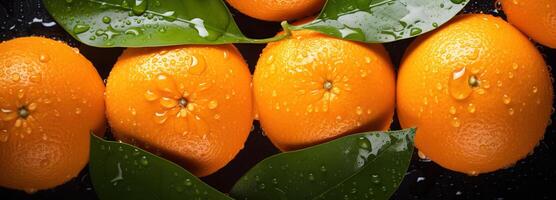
198	65
160	117
150	96
213	104
455	122
459	84
168	102
506	99
471	108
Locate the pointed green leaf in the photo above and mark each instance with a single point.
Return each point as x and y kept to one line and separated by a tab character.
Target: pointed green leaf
122	171
379	21
142	23
361	166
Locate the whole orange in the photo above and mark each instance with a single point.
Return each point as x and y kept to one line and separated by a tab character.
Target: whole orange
479	93
312	88
277	10
536	18
52	97
191	104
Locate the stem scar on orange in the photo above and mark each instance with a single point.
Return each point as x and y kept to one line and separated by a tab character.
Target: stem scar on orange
192	104
479	93
312	88
52	97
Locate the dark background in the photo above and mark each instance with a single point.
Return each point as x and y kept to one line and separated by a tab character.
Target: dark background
531	178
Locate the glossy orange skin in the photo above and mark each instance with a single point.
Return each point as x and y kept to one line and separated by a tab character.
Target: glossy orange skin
143	93
499	119
537	18
277	10
295	108
65	98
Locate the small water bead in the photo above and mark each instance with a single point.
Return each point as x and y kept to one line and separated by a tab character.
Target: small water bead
168	102
359	110
515	66
160	117
511	111
471	108
150	96
456	122
213	104
198	65
506	99
106	19
139	7
453	110
43	58
535	89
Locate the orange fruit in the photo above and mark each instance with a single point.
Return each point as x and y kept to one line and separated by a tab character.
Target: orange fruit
277	10
312	88
52	97
479	93
191	104
536	18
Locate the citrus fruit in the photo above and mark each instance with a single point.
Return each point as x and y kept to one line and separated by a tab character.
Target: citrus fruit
537	18
312	88
191	104
277	10
52	97
479	93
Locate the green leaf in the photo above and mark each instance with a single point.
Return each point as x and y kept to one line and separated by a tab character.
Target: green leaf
361	166
142	23
121	171
379	21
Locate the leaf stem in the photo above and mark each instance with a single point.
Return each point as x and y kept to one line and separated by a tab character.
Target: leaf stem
287	29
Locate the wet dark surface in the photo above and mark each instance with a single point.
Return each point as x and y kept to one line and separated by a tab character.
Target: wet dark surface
531	178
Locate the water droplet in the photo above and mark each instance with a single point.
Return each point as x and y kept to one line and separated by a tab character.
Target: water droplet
364	143
187	182
213	104
168	102
415	31
140	7
262	186
459	85
150	96
455	122
144	160
471	108
453	110
511	111
44	58
535	89
375	179
368	60
106	19
80	28
506	99
311	177
197	65
77	111
515	66
359	110
160	117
